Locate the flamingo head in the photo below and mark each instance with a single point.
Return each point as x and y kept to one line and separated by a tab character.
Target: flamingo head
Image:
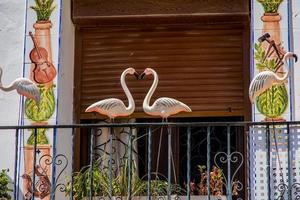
290	55
147	71
132	71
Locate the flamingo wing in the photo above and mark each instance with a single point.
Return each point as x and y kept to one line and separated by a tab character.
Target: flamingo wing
170	106
259	84
28	89
111	107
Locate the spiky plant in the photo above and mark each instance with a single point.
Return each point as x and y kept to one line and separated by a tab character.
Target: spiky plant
270	6
43	9
4	181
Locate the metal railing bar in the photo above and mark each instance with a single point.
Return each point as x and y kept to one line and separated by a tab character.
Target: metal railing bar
178	124
249	165
188	163
91	163
16	162
208	162
290	167
34	163
110	162
229	187
169	161
268	161
73	162
149	162
129	163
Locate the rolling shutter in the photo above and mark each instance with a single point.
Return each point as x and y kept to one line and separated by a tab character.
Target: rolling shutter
200	65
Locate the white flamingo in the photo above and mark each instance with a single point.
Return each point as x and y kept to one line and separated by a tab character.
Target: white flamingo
113	107
163	107
264	80
23	86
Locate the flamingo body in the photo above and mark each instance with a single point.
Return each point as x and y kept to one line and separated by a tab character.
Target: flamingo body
113	107
165	106
23	86
261	83
264	80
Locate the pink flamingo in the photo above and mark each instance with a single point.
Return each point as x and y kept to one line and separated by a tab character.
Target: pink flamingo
23	86
113	107
264	80
163	107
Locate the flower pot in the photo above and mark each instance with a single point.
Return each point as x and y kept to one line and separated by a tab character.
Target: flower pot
43	161
271	25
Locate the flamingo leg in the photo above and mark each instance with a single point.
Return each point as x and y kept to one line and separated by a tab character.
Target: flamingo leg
172	157
110	158
159	148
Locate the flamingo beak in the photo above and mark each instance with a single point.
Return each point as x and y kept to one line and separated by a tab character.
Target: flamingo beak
136	75
296	57
142	76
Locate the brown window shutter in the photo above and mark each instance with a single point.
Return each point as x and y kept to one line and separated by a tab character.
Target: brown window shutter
200	65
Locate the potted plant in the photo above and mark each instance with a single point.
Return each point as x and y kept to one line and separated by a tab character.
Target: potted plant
82	182
39	114
4	189
273	102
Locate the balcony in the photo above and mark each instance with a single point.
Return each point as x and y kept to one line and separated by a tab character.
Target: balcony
158	161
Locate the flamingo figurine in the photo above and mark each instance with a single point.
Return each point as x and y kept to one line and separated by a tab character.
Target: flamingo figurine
163	107
264	80
113	107
23	86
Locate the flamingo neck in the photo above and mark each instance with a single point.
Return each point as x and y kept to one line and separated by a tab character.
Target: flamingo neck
285	62
146	102
11	87
131	104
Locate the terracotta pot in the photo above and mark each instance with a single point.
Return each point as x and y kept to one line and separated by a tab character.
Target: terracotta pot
271	25
43	36
43	163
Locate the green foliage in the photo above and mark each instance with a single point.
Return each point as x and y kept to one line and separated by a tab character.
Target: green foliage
45	109
43	9
4	181
273	102
82	182
270	6
41	137
261	63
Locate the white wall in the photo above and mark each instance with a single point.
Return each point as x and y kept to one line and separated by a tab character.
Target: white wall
65	90
12	27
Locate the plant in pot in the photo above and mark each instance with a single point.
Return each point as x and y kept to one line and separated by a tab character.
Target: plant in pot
199	189
4	189
274	101
82	182
43	73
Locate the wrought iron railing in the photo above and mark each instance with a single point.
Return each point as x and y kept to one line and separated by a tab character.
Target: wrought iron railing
244	161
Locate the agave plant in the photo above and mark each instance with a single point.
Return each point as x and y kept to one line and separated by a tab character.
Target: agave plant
43	9
270	6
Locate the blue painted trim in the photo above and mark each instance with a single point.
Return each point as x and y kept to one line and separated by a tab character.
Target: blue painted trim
252	70
57	95
291	64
